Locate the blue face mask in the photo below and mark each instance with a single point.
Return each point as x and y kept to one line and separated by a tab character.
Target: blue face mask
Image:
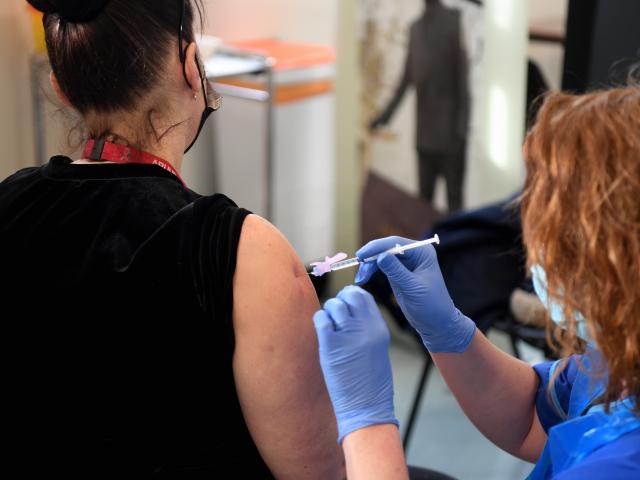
555	309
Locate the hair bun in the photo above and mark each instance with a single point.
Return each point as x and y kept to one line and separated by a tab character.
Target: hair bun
75	11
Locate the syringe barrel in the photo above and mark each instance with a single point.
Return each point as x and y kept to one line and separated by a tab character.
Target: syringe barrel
351	262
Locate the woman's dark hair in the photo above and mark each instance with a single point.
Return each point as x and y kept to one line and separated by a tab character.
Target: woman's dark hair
108	54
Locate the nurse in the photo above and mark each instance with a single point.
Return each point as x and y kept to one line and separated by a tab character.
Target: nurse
577	418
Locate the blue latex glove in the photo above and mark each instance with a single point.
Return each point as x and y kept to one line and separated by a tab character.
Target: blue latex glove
354	342
420	290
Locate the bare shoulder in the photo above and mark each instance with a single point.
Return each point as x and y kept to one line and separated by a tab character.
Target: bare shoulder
276	365
268	269
265	246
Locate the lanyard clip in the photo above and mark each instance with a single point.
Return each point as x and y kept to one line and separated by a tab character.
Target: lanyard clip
97	149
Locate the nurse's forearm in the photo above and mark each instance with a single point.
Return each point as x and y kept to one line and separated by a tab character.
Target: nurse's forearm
375	452
497	392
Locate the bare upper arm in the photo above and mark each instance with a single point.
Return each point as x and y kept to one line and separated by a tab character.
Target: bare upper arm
534	443
276	365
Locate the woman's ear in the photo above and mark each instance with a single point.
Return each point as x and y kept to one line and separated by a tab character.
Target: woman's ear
192	68
58	91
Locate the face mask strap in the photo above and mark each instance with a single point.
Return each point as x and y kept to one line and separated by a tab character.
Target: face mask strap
208	110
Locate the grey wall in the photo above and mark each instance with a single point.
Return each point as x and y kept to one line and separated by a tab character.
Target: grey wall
616	39
602	37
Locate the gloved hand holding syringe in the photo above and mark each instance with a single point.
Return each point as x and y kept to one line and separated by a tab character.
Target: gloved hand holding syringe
338	262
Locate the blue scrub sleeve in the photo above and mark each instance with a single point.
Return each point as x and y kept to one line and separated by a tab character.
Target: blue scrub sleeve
619	460
553	406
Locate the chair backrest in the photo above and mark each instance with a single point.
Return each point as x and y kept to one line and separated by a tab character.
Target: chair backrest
388	210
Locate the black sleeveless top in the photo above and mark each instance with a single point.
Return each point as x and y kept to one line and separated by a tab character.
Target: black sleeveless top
117	298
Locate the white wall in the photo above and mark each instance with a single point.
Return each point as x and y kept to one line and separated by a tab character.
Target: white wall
498	171
549	15
313	21
547	11
17	134
348	165
15	104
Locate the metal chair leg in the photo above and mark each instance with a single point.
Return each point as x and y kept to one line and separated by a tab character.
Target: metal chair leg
416	401
514	346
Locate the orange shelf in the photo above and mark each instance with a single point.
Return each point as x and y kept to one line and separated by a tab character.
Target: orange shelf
288	55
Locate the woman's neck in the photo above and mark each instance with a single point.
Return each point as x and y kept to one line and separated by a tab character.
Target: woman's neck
167	154
165	142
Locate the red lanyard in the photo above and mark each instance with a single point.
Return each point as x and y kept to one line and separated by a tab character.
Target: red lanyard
101	150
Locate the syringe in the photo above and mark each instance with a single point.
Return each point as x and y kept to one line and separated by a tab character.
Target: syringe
397	250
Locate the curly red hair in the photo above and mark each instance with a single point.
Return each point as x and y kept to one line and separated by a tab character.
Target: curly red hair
581	222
